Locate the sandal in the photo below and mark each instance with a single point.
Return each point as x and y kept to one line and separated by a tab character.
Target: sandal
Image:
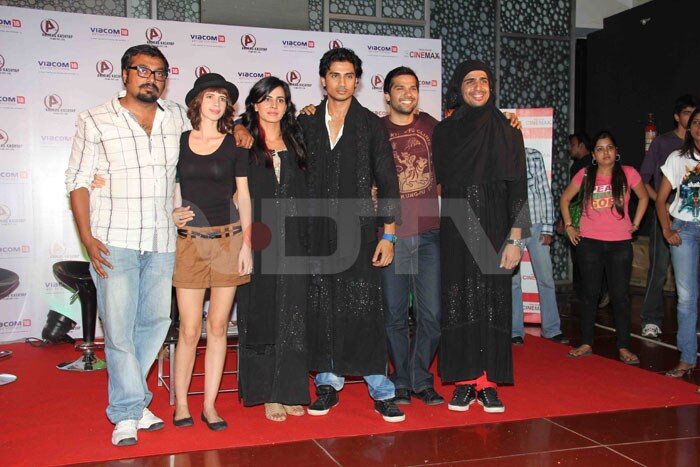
679	372
629	358
275	412
294	410
578	352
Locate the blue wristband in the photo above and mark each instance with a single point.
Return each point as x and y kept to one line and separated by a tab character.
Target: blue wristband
389	237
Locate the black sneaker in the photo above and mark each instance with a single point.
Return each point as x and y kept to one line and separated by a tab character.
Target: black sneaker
559	339
388	410
327	399
463	397
488	398
429	396
517	340
402	396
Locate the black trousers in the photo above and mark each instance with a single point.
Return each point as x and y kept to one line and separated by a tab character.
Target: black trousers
596	257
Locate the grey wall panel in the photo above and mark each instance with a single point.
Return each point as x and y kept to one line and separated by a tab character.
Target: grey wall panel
287	14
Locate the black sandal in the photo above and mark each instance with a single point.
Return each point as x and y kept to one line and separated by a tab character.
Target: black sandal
679	372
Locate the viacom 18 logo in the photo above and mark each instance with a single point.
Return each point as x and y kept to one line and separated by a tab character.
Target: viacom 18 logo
201	70
250	44
293	77
50	28
252	76
377	82
335	44
154	36
382	49
208	39
118	33
298	46
105	70
12	102
9	24
58	66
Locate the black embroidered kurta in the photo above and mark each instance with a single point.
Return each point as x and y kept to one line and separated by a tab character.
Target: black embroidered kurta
272	308
345	317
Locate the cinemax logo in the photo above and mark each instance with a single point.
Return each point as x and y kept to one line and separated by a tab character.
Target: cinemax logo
249	76
293	77
56	66
429	83
424	54
201	70
105	70
382	49
10	23
377	82
109	33
298	45
50	28
335	44
4	70
208	38
12	101
154	36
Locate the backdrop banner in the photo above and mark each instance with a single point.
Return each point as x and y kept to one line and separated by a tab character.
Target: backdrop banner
54	65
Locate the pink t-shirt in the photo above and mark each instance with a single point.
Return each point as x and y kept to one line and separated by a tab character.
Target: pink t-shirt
598	221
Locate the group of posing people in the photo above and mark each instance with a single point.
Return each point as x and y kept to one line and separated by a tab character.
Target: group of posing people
321	225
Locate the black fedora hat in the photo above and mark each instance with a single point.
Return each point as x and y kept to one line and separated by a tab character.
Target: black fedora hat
212	80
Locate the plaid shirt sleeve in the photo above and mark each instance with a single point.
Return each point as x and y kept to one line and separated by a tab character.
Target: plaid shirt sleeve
539	193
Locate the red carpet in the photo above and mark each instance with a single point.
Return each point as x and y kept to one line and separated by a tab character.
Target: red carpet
51	417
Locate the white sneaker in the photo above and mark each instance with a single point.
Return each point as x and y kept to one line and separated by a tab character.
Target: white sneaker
124	433
150	422
651	330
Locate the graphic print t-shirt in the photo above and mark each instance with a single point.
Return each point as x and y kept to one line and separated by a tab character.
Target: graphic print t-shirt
413	156
684	174
598	220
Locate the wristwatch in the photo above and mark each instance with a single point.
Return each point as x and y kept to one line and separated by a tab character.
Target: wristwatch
517	242
389	237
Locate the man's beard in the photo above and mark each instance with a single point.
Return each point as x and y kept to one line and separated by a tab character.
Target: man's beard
147	97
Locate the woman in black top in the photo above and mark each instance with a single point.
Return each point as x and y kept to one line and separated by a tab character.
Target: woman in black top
272	308
210	251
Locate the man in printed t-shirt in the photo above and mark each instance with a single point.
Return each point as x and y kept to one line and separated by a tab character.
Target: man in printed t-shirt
416	266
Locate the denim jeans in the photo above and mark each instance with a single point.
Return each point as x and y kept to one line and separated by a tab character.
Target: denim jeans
685	268
596	257
134	306
542	266
416	270
659	255
380	387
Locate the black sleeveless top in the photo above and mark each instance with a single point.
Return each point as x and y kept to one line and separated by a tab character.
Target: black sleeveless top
207	183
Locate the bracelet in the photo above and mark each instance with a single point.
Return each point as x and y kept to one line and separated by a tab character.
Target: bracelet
517	242
566	226
389	237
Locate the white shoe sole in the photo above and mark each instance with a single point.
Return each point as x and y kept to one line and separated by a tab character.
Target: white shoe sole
459	408
492	409
317	413
125	442
393	419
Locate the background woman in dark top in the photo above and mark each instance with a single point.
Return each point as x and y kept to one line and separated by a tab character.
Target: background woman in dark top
272	308
210	252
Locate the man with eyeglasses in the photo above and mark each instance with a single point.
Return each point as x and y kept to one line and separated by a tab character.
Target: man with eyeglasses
659	254
133	143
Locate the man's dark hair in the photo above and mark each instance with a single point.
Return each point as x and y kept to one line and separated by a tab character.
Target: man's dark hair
143	49
400	71
686	100
581	137
340	54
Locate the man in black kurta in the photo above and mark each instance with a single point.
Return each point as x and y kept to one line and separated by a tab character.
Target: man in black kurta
348	151
480	163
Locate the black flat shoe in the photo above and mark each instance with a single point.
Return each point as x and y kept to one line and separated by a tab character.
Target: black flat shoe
183	422
216	426
402	396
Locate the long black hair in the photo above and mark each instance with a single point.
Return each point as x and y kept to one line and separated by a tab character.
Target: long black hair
290	128
689	147
618	182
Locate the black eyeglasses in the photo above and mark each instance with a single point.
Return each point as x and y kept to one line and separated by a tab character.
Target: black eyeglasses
145	72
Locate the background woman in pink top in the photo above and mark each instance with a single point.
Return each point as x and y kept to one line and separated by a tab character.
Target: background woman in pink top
604	241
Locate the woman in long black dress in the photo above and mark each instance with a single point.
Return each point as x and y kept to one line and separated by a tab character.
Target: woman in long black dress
272	308
480	163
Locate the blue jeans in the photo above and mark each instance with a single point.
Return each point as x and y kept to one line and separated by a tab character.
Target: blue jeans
685	268
416	270
380	387
542	266
659	255
134	306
